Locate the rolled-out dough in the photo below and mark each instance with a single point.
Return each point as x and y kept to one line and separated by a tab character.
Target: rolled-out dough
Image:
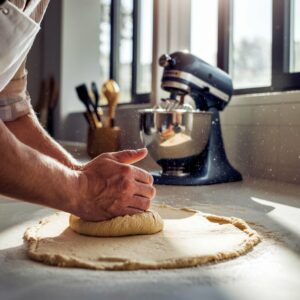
148	222
189	238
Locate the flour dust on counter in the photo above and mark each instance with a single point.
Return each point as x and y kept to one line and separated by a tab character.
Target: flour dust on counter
189	238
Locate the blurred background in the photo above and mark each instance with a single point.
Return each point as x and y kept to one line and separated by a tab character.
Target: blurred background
256	41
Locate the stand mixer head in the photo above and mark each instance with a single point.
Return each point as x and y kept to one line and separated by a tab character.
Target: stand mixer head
188	143
185	74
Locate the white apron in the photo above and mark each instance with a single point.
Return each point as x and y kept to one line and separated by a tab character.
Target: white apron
19	25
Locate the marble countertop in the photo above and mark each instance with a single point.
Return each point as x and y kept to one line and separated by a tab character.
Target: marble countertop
270	271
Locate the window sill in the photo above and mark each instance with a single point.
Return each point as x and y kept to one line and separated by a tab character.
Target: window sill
290	97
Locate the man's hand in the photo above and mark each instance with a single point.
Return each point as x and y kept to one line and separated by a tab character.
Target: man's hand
109	186
106	187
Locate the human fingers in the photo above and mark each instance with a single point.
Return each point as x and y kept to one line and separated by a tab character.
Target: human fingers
142	175
139	202
128	156
144	190
131	211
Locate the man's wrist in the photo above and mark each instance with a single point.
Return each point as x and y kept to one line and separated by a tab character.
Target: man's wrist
69	191
76	192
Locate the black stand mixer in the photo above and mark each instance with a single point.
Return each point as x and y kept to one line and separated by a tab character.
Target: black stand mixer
187	143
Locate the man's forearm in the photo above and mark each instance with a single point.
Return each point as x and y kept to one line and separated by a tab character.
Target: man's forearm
28	175
29	131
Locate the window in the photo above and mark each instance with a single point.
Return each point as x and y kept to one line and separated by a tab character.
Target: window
295	36
126	29
258	41
104	38
204	42
144	48
251	46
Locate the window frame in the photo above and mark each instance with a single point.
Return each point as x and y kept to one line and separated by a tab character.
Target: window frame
115	12
282	79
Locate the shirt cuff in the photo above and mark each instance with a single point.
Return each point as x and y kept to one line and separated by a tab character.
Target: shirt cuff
11	110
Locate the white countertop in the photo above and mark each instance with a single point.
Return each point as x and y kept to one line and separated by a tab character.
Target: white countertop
270	271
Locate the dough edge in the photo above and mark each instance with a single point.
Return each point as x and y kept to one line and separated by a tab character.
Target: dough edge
32	240
90	228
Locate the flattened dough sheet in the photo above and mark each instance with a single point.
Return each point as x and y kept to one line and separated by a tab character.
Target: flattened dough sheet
189	238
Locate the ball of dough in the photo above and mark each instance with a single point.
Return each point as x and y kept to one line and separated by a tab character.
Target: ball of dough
148	222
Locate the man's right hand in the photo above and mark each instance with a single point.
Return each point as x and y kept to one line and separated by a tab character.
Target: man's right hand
109	186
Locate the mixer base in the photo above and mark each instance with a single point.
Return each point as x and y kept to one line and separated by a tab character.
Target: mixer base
195	179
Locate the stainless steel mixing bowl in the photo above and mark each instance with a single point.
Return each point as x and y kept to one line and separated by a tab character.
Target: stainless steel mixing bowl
173	137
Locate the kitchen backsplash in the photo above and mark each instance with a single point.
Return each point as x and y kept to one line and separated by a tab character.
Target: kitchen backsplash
262	135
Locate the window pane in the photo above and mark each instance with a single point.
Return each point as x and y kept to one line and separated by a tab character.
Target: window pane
104	39
145	47
126	49
295	37
204	30
250	61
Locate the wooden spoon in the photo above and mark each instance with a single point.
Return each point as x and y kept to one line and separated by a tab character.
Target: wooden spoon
111	91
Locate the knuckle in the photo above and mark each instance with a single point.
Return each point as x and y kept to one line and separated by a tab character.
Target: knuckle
148	178
117	206
126	170
126	185
151	179
153	192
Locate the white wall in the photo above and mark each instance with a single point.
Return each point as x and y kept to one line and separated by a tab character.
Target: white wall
79	56
262	135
